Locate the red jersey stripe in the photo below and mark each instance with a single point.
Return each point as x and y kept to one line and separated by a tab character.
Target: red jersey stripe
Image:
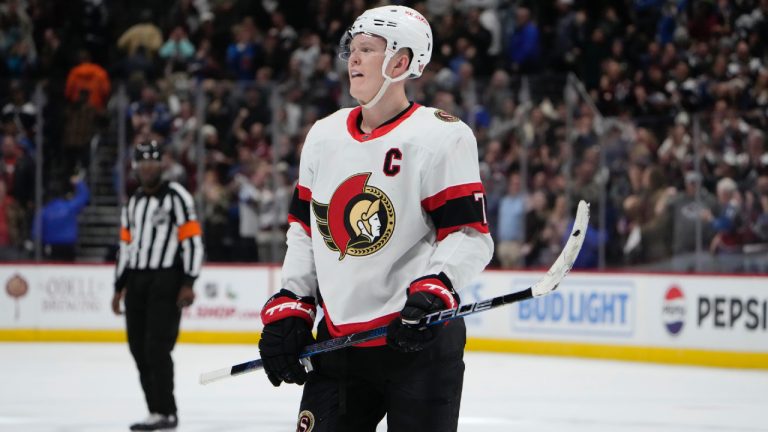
439	199
304	193
292	218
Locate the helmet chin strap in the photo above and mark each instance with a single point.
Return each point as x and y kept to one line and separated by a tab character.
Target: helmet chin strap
387	81
377	98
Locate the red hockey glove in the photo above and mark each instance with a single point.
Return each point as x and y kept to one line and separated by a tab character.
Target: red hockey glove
288	322
425	295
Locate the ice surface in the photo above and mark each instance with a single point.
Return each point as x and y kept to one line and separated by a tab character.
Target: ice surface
75	387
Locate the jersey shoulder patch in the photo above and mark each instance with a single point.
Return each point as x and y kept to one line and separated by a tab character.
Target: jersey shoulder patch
444	116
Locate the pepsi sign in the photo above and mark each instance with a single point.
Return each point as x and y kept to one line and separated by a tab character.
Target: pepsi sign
673	310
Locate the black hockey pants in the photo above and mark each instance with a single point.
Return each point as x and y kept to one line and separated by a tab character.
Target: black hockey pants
152	321
353	388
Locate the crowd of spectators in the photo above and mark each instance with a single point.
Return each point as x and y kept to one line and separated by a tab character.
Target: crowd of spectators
676	78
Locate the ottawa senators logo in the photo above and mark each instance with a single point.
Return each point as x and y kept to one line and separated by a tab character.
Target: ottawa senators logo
358	221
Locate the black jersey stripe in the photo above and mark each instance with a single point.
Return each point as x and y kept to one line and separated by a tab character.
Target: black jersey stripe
458	211
169	235
141	230
160	245
457	207
299	208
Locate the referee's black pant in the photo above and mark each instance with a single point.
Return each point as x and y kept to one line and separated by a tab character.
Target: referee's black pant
350	390
152	320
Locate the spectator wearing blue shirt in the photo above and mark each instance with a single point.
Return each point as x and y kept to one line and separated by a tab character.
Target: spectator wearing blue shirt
727	222
149	113
59	219
243	55
511	223
589	255
523	48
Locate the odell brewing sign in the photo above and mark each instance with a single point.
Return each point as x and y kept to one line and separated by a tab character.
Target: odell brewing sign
16	287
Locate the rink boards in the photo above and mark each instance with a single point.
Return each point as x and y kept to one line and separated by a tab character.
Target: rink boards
714	320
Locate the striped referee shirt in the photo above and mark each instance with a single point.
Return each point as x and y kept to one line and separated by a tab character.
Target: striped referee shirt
160	231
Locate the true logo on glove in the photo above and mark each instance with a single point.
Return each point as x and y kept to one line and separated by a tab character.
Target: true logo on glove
290	305
443	293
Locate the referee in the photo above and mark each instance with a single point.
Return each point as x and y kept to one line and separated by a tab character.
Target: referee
161	252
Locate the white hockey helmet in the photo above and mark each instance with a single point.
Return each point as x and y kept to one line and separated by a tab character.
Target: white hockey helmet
401	27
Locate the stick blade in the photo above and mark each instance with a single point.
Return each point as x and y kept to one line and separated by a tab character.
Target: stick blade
219	374
568	255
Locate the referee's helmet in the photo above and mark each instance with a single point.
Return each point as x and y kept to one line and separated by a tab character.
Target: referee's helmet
149	150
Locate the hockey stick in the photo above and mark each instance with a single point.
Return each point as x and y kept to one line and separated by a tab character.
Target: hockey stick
547	284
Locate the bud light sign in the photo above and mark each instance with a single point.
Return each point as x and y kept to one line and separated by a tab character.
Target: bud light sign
599	308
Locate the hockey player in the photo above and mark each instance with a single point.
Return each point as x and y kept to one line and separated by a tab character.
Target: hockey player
387	224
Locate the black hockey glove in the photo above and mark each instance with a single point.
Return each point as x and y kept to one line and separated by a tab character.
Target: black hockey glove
425	295
288	321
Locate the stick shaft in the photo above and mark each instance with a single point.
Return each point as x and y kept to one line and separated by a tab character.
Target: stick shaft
547	284
368	335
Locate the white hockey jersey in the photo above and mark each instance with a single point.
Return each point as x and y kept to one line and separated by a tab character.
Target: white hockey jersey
372	212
